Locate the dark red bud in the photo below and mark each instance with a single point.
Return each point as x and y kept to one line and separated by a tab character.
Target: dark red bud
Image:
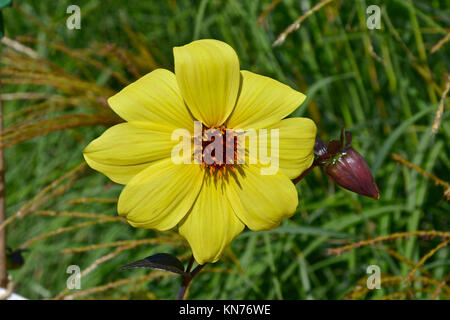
320	147
346	137
334	146
350	171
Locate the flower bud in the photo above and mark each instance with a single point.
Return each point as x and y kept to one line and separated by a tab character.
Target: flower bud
349	170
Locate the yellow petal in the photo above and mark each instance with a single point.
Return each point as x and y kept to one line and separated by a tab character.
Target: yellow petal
156	98
161	195
262	101
124	150
262	201
211	225
296	144
207	72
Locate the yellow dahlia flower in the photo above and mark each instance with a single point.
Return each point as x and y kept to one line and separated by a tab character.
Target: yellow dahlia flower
210	209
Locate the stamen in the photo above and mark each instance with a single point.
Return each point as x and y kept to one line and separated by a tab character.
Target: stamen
219	166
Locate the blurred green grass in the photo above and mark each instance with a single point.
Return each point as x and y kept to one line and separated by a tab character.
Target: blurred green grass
379	94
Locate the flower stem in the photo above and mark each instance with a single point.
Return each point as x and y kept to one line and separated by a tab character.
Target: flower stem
300	177
191	262
182	290
187	279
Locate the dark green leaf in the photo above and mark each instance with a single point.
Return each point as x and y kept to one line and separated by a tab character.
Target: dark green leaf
14	259
160	261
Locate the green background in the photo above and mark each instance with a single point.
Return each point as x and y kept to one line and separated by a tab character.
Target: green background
379	94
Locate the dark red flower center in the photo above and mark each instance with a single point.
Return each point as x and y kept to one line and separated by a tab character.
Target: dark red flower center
219	156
